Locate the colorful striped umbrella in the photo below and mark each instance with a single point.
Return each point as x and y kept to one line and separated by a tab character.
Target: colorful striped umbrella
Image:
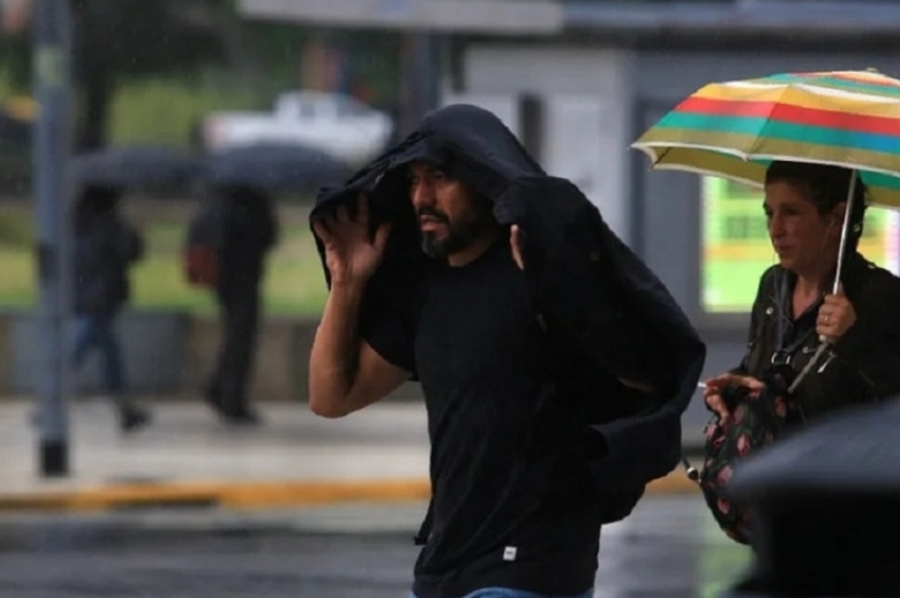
735	129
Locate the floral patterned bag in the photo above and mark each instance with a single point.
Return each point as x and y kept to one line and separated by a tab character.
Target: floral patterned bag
754	423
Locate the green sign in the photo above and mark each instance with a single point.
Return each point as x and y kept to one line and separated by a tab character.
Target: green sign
736	246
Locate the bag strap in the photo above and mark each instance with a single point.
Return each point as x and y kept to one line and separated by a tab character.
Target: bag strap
782	354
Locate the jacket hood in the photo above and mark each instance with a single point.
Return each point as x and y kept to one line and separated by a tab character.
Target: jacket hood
467	142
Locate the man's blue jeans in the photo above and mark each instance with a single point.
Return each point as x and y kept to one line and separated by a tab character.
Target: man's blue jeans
510	593
95	330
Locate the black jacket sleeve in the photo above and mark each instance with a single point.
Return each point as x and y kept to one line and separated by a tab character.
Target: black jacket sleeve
872	344
606	304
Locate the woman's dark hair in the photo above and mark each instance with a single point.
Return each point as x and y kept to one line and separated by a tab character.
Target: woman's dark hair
825	186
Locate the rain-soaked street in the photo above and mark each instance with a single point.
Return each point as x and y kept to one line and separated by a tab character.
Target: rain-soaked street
668	548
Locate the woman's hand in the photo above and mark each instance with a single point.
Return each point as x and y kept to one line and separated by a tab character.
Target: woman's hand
712	393
836	316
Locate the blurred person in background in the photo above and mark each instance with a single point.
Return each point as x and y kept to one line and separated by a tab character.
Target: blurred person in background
456	261
248	231
106	246
805	206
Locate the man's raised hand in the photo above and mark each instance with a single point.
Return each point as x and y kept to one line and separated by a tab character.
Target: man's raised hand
351	255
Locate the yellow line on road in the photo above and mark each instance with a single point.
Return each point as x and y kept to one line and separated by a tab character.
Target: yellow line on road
250	495
224	494
676	482
287	494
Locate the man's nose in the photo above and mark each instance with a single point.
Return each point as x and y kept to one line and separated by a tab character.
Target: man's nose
422	195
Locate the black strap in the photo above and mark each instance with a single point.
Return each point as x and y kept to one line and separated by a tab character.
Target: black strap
782	354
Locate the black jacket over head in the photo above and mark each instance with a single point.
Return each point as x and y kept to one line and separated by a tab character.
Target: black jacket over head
607	315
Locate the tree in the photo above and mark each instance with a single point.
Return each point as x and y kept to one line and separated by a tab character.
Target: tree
116	40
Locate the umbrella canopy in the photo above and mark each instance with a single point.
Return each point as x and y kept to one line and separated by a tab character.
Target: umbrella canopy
735	129
274	168
136	167
853	453
828	504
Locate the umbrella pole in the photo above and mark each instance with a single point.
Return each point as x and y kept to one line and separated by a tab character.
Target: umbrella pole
845	233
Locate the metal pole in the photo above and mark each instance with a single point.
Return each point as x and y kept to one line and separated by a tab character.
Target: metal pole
426	72
418	80
845	231
51	19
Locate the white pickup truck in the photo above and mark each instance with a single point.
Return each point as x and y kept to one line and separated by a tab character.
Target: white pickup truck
334	123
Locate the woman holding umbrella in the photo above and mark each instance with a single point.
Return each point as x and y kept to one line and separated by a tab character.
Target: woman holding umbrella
804	206
824	331
794	311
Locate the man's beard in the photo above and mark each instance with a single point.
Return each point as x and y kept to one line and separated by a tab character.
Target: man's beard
459	236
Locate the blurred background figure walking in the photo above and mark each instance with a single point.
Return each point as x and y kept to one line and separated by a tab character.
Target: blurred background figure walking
248	231
106	246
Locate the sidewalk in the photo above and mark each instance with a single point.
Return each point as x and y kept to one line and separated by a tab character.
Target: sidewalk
188	458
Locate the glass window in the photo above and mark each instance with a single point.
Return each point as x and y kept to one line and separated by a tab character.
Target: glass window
736	248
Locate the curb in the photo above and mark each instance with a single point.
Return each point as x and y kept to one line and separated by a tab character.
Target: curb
253	495
234	495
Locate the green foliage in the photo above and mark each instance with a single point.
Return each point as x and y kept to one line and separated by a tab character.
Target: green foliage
131	38
15	63
116	40
294	284
136	37
16	232
142	68
166	110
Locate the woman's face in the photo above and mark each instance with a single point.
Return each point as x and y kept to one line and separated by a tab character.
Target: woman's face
806	241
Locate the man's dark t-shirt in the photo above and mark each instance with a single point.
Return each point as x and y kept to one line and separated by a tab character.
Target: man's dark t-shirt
513	505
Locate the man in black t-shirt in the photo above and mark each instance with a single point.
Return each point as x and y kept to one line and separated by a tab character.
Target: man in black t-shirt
514	512
555	365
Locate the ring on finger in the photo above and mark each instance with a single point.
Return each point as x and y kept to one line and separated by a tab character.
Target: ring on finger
827	318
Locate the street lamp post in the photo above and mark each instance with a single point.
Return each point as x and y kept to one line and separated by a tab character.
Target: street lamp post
51	21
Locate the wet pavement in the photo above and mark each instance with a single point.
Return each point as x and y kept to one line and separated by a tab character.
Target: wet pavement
294	459
668	548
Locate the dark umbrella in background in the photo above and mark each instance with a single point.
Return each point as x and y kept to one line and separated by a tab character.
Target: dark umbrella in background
155	169
828	508
274	168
